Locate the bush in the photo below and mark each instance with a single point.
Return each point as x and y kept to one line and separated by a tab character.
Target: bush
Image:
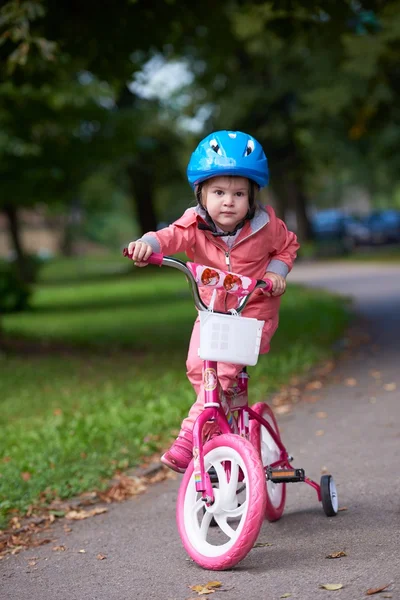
14	292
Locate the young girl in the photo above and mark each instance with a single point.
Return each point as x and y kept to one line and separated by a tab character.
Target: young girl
227	230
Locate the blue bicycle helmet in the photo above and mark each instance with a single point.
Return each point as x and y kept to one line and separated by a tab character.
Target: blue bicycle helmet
228	153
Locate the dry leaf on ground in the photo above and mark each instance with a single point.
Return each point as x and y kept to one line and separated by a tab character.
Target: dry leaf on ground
125	487
208	588
321	415
262	544
283	409
314	385
78	515
332	587
350	382
390	387
375	374
377	590
285	596
319	432
337	554
101	557
58	549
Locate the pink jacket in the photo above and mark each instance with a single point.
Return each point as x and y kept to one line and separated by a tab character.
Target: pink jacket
264	244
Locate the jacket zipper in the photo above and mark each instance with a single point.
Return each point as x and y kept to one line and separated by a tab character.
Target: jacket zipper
228	259
228	256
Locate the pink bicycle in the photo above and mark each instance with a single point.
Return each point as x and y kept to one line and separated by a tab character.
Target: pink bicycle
238	478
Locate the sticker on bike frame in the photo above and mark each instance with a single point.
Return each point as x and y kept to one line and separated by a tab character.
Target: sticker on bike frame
210	379
239	285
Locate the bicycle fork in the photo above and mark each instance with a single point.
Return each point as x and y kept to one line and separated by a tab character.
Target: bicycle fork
216	409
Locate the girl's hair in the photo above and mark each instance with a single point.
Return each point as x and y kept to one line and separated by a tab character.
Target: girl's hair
253	188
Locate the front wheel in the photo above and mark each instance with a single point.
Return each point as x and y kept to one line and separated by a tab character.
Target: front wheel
329	496
238	508
269	452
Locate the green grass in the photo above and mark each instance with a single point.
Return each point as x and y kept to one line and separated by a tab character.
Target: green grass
381	254
99	380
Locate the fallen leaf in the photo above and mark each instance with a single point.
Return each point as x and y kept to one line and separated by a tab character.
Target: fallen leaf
321	415
350	382
58	548
375	374
15	523
32	563
311	399
336	554
283	409
342	508
82	551
78	515
319	432
285	596
262	544
125	487
208	588
25	475
390	387
314	385
101	557
377	590
332	587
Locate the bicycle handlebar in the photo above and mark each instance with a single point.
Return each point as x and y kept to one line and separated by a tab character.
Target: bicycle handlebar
160	260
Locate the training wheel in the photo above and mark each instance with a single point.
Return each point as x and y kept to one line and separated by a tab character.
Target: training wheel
329	496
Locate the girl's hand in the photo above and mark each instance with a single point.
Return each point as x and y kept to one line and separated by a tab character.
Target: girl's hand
140	253
279	284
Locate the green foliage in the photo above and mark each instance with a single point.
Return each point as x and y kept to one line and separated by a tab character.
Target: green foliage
71	416
14	292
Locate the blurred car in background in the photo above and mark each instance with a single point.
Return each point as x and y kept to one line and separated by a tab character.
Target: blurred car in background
384	226
335	226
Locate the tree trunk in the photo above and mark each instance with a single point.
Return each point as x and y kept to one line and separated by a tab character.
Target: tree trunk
141	181
298	201
71	229
15	235
303	223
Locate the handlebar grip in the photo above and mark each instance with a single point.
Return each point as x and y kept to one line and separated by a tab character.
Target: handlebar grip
154	259
269	285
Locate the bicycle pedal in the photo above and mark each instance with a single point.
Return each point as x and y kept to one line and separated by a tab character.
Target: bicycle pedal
285	475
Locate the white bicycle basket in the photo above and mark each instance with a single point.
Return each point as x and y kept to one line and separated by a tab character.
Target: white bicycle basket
229	338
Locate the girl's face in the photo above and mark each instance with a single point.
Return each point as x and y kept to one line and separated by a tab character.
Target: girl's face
226	200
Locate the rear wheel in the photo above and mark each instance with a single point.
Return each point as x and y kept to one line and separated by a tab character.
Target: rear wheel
269	452
238	509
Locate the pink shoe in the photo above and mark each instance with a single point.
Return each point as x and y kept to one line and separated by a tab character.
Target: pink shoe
179	455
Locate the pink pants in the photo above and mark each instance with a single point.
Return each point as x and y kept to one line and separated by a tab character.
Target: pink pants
227	373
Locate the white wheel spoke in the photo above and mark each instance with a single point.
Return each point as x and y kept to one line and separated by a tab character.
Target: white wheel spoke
221	473
224	525
236	512
228	490
205	525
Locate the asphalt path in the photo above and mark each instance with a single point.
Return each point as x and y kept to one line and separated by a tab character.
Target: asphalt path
350	427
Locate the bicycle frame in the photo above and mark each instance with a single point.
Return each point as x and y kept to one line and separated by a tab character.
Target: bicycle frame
216	407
